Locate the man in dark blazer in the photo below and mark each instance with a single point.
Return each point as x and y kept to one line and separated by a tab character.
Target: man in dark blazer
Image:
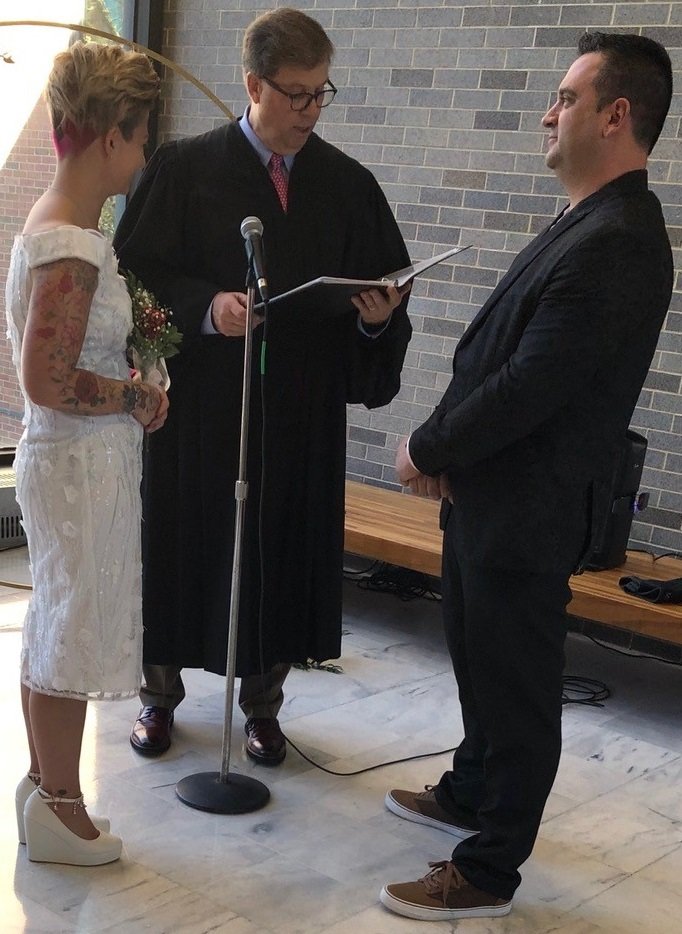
522	447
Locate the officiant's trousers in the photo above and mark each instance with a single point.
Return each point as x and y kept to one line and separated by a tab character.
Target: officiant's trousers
259	695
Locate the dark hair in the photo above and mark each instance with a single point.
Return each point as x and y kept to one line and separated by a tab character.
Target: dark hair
284	37
638	69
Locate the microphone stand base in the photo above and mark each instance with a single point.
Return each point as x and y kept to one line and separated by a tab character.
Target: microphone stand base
240	794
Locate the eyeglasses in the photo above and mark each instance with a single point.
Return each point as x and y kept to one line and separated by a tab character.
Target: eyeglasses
304	99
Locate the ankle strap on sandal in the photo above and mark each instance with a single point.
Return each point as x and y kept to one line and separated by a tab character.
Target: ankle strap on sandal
53	801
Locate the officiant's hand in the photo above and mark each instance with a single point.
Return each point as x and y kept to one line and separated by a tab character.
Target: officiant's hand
375	305
228	314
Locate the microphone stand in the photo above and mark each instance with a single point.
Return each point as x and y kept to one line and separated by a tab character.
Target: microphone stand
227	792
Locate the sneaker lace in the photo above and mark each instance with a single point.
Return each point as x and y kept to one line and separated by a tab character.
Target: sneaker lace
426	793
441	877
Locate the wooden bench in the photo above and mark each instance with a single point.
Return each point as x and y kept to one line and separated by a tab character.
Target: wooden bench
403	530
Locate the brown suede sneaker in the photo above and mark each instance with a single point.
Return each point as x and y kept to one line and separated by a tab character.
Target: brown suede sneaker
421	807
442	895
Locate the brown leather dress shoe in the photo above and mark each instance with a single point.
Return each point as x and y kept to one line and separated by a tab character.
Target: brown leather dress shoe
151	731
265	741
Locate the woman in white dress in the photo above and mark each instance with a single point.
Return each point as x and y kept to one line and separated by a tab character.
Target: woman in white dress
78	462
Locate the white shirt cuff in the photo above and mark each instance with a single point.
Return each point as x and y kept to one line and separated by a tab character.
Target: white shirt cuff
408	455
207	323
372	334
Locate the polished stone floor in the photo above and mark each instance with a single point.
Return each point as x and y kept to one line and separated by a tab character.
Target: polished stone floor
608	859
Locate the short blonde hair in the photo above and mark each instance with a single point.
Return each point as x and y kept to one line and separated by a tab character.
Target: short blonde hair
95	87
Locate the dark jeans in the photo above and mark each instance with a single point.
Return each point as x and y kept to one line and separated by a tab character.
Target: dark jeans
505	632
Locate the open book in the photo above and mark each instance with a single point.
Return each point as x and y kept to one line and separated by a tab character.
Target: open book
332	296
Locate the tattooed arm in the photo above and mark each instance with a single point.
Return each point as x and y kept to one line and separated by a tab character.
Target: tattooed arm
61	295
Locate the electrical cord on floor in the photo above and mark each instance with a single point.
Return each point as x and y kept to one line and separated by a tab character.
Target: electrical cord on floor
409	585
352	574
612	648
586	691
654	557
576	690
369	768
402	582
15	585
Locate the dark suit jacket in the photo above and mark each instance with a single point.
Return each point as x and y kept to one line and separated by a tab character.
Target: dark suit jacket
545	380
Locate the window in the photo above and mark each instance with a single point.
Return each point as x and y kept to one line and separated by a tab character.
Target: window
26	156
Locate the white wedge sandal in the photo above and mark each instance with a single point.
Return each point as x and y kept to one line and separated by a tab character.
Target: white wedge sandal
25	788
48	840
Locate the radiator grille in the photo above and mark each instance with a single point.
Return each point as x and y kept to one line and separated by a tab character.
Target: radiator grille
12	534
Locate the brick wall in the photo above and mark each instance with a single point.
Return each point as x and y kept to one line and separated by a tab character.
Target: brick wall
24	177
442	101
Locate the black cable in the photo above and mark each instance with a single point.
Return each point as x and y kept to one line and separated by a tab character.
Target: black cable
654	557
587	691
408	585
15	585
369	768
350	574
402	582
312	665
612	648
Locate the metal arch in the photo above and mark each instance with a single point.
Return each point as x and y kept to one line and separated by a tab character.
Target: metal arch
136	47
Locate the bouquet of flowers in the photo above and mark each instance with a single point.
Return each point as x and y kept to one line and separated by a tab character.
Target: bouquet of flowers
153	338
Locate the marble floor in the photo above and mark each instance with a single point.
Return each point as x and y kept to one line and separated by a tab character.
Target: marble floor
608	859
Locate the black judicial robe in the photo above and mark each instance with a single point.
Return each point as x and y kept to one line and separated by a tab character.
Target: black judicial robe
181	236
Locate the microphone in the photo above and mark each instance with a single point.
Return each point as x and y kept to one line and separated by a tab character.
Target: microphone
252	232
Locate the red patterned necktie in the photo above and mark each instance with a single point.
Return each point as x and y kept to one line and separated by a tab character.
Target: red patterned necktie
279	177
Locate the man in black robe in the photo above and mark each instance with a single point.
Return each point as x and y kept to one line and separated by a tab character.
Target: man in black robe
323	215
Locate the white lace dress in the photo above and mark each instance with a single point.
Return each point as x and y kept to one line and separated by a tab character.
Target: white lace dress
78	485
